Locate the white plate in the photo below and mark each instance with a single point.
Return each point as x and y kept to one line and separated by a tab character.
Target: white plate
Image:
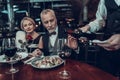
99	42
51	62
21	56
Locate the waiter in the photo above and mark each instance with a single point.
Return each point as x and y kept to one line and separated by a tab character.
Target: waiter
108	19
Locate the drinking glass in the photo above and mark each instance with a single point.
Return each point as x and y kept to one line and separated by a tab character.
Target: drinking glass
10	51
63	53
31	47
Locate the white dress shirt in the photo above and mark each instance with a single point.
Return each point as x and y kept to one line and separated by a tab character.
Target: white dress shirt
54	37
101	14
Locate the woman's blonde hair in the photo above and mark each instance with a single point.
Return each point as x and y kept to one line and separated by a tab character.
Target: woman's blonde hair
29	19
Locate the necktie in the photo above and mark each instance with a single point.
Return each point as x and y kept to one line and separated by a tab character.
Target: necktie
52	33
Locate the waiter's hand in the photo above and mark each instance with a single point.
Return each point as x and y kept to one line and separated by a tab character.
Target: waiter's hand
113	43
85	28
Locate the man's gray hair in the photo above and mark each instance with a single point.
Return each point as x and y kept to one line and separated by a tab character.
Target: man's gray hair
46	11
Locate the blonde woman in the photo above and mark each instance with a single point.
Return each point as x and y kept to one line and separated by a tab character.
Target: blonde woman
29	36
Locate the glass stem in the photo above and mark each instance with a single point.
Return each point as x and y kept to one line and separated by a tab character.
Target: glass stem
64	64
11	64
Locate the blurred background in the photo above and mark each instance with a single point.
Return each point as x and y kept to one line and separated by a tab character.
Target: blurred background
73	13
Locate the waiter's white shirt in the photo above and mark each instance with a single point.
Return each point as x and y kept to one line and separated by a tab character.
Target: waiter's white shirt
101	14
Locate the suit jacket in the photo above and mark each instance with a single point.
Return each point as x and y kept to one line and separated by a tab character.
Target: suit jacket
61	34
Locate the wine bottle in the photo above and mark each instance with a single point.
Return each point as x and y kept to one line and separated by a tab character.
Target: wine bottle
78	33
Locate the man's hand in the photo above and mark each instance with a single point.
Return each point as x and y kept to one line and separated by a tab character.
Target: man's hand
72	42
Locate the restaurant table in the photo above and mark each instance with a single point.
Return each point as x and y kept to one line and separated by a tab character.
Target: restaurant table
79	71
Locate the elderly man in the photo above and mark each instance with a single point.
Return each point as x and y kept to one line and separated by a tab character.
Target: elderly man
55	32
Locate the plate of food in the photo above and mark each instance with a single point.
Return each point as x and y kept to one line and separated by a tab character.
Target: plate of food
47	62
17	57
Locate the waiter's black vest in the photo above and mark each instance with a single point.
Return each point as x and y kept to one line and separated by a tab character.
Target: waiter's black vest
113	17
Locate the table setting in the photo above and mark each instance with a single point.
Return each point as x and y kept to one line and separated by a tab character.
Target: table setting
52	67
17	57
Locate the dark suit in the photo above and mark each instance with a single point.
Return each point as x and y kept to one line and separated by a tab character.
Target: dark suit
61	34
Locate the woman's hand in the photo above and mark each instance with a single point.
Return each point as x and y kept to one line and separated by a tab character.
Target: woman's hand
36	52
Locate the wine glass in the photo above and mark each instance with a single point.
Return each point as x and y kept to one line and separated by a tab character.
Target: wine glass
63	53
31	47
10	51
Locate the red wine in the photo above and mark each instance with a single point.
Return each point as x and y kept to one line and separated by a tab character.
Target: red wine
10	52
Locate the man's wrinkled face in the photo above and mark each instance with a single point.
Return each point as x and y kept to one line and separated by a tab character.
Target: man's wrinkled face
49	21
